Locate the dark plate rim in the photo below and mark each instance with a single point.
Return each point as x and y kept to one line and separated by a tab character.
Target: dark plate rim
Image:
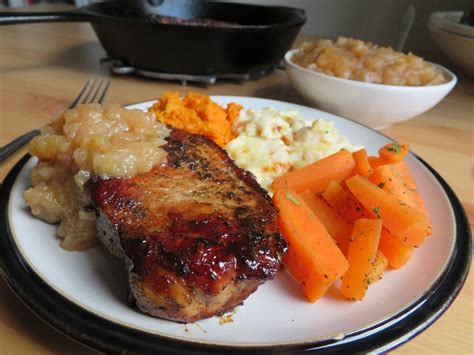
105	335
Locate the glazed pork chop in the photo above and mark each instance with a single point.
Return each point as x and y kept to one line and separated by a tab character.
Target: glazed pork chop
198	235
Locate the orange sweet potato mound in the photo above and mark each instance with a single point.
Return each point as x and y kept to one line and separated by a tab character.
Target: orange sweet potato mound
196	113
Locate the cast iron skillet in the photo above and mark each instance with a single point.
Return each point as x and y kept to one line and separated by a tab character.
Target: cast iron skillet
257	39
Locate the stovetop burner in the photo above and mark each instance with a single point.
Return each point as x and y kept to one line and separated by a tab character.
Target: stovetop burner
120	68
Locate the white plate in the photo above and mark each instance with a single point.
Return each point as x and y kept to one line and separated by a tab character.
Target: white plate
274	316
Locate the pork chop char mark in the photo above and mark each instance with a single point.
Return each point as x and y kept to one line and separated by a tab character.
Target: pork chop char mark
198	234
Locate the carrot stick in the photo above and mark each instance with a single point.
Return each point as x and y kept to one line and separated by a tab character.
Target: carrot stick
318	175
313	258
405	222
378	267
361	257
393	152
387	177
396	252
337	227
362	165
350	209
344	203
401	170
405	175
375	162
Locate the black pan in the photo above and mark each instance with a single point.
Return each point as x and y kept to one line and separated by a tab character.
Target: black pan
256	38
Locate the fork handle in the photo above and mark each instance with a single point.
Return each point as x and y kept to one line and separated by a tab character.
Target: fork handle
16	144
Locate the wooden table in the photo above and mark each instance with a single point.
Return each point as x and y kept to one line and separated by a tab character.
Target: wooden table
42	67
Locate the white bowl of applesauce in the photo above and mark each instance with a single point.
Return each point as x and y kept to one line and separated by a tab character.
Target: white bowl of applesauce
372	85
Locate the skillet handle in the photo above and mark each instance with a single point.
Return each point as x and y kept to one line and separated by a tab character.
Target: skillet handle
12	18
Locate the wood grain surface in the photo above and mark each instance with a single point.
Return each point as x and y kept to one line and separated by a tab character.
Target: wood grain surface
42	68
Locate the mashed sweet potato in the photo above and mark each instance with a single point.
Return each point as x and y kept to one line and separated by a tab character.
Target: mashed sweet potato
196	113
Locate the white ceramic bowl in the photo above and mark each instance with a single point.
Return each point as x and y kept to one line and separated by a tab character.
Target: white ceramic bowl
453	39
374	105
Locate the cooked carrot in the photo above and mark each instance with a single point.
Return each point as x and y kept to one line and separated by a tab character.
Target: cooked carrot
313	258
387	177
337	227
404	173
344	203
362	165
396	252
318	175
362	253
375	162
378	267
407	223
393	152
401	169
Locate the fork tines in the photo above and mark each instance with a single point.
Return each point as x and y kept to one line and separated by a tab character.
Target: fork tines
94	91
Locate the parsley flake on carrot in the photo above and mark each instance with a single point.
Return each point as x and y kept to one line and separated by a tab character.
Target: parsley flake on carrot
292	198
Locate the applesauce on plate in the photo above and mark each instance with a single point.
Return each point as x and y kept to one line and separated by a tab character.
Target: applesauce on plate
110	142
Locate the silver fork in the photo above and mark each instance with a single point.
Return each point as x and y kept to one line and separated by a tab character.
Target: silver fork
94	91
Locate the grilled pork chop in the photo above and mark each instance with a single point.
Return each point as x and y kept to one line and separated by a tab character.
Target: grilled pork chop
198	235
